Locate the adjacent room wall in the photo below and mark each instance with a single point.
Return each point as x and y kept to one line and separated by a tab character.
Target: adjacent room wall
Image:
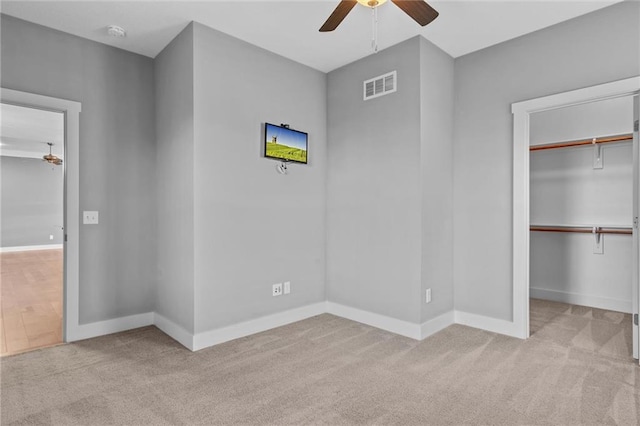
175	180
32	196
436	165
567	190
253	226
592	49
117	156
374	201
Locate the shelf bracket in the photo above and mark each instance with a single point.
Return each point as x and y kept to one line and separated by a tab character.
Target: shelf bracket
597	154
598	240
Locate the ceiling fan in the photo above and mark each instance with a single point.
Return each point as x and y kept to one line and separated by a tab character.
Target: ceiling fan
50	158
419	10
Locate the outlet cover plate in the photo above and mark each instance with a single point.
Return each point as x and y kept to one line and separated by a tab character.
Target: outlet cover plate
276	289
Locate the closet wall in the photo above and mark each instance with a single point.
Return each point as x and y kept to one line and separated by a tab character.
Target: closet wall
567	190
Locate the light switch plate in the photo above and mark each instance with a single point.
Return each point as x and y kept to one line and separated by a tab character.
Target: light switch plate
90	217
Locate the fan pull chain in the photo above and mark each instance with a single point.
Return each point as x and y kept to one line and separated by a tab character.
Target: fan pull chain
374	29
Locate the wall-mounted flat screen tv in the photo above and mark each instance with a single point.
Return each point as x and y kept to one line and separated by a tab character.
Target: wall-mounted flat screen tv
285	144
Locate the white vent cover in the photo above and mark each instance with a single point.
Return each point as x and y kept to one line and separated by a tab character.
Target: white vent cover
381	85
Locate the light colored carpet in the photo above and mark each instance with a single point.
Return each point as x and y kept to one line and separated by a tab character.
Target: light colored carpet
575	369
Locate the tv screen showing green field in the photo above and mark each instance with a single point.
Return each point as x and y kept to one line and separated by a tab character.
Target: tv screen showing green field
284	143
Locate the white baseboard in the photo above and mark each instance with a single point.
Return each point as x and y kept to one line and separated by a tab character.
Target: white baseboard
436	324
617	305
235	331
30	248
393	325
494	325
101	328
173	330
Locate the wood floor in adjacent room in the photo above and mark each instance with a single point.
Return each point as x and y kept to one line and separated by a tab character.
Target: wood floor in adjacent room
328	370
31	308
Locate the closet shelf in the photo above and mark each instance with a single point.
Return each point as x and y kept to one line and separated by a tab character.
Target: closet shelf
583	229
608	139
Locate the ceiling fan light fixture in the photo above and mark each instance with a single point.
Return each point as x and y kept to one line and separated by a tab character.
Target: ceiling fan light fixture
50	158
372	3
418	10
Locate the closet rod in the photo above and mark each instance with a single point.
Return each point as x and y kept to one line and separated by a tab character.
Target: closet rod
608	139
582	229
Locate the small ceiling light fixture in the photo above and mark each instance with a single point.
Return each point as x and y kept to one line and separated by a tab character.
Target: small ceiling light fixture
116	31
50	158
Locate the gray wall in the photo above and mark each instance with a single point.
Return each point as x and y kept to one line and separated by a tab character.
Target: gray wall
32	195
390	185
369	197
566	189
117	156
175	149
596	48
436	165
253	226
585	121
374	187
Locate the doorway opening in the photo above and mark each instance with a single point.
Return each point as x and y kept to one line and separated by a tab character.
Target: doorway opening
31	228
581	214
71	328
523	113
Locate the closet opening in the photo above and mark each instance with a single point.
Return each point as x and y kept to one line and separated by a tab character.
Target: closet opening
577	203
581	183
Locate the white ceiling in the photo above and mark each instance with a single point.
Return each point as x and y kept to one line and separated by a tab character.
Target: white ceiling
290	28
24	132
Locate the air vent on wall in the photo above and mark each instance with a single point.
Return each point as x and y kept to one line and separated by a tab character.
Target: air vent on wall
381	85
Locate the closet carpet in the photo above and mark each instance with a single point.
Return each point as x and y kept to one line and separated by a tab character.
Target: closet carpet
575	369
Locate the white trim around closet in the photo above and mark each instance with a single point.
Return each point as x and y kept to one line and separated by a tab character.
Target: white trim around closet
521	119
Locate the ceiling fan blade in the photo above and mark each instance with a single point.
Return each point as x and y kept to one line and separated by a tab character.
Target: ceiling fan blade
419	10
338	15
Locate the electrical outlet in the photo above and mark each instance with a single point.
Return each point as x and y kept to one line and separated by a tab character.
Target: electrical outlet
287	287
277	289
50	237
427	296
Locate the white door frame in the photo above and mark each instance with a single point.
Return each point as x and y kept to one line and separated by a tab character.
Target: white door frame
521	119
71	111
635	273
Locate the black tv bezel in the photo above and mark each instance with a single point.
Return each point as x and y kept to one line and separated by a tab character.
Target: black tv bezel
264	144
